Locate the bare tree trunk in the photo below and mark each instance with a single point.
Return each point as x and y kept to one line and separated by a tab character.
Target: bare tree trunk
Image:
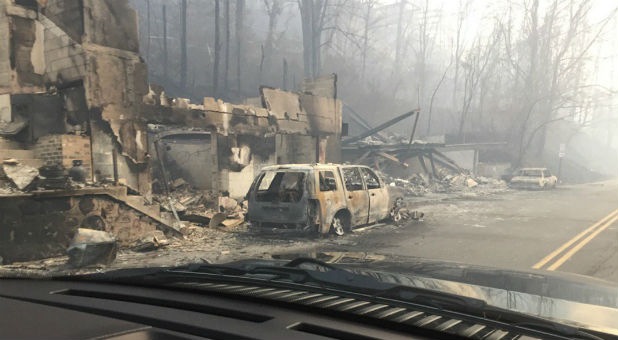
215	71
458	50
365	39
426	39
319	9
433	96
398	42
148	29
240	4
312	14
227	46
261	69
274	10
164	43
183	44
306	14
285	74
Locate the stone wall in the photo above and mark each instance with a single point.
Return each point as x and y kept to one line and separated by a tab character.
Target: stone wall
33	228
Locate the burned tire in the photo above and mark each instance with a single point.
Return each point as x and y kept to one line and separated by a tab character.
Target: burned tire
340	224
396	216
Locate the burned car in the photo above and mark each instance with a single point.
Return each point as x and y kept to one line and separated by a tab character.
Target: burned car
533	178
320	197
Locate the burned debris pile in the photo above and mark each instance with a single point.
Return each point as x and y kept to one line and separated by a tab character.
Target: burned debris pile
419	184
203	208
419	167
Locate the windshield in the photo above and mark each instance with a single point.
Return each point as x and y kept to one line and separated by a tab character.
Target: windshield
386	135
284	186
530	173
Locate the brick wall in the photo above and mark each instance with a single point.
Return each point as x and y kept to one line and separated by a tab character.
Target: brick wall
63	149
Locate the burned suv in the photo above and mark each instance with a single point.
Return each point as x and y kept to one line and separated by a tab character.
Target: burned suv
320	197
533	178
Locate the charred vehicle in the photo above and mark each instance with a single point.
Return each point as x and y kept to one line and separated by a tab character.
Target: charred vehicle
320	197
533	178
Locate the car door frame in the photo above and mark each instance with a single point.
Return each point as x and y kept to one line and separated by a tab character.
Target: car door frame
378	198
331	201
357	201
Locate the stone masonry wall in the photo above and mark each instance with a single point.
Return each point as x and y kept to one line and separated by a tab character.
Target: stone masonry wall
34	228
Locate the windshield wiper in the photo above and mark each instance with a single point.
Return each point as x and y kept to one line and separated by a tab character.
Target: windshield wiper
328	276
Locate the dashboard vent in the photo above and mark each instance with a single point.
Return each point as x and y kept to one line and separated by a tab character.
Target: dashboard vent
381	311
204	309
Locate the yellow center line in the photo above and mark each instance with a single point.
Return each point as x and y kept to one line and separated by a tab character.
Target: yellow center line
579	246
556	252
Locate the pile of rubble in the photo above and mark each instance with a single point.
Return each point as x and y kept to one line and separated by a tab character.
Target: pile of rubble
391	138
420	184
201	207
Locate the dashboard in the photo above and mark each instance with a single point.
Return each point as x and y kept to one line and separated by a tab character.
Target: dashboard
84	310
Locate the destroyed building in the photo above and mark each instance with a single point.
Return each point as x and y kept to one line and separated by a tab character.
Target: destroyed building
74	88
220	146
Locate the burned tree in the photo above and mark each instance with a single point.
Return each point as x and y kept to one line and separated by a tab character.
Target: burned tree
240	5
183	44
227	46
215	68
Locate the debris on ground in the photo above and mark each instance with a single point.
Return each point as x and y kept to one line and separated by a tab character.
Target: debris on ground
401	214
20	175
177	183
227	204
152	241
470	183
445	182
205	208
233	223
216	220
92	246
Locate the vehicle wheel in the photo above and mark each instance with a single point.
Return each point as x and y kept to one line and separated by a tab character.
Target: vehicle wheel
338	226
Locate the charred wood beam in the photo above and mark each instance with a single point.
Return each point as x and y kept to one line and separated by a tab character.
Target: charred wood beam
392	158
447	160
165	180
362	122
362	158
378	128
433	165
418	112
421	160
447	165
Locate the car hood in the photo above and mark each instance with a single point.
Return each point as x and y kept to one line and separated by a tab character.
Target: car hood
572	299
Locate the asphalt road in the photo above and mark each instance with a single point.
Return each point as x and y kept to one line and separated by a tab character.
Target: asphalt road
572	229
